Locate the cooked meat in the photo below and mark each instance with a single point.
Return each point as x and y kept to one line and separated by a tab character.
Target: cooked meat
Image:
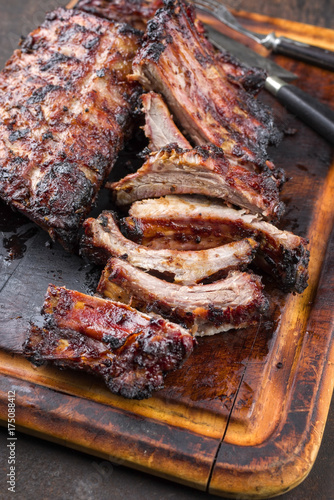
196	223
65	108
103	239
234	302
134	12
251	79
203	170
177	61
130	350
159	127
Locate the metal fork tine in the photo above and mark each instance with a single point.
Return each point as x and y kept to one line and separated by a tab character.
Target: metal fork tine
220	12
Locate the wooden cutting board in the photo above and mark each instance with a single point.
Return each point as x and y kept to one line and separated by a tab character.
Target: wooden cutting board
245	415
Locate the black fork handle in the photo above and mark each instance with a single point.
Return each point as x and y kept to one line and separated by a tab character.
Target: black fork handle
309	110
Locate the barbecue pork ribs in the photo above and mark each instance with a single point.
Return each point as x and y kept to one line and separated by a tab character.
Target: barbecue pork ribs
103	239
209	102
196	223
65	108
234	302
203	170
129	350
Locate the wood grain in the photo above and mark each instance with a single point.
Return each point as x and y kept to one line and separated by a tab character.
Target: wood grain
318	13
282	461
271	384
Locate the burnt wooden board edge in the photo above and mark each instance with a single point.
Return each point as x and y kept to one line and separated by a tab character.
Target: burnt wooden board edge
286	351
111	433
81	385
308	33
286	458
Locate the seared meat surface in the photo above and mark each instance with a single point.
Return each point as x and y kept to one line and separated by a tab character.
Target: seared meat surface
134	12
131	351
65	108
103	239
177	61
203	170
195	223
234	302
159	127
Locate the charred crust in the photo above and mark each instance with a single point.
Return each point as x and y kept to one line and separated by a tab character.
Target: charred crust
210	151
171	148
132	369
39	94
54	60
127	29
18	134
91	43
154	51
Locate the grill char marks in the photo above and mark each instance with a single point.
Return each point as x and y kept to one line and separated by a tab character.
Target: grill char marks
64	114
177	61
189	223
74	336
203	170
159	127
134	12
234	302
103	239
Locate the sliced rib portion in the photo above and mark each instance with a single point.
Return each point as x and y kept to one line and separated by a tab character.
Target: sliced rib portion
234	302
177	61
134	12
159	127
129	350
203	170
191	222
65	108
103	239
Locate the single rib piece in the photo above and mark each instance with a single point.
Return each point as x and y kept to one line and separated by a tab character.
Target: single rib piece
195	223
202	170
177	61
103	239
159	127
131	351
134	12
234	302
65	108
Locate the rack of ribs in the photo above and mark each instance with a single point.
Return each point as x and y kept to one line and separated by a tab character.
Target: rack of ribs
103	239
209	102
129	350
234	302
65	108
197	223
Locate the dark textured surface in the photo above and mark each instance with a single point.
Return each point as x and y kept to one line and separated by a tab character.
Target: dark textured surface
50	471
